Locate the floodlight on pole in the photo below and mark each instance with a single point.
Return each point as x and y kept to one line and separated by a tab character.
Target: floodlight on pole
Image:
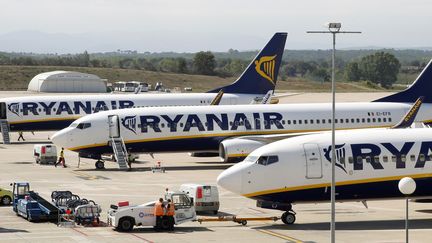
333	28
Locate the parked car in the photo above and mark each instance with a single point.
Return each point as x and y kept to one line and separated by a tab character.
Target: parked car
5	197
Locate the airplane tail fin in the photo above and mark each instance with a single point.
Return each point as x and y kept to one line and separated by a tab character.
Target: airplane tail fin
421	87
410	116
262	73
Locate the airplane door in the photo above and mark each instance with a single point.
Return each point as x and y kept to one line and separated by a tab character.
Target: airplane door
114	126
313	161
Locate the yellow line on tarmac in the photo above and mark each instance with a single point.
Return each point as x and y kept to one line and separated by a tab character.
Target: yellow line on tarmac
285	237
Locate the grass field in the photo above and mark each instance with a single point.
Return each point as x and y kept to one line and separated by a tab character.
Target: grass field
18	77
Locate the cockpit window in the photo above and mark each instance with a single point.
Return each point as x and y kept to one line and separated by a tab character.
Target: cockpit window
267	160
84	125
251	159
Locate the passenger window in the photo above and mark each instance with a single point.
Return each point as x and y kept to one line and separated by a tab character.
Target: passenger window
358	120
300	121
323	121
350	160
379	119
363	120
393	158
347	120
283	122
330	121
359	159
311	121
336	121
341	121
403	157
318	121
373	120
422	157
384	119
368	159
390	119
352	120
289	122
306	121
294	122
368	120
376	159
385	159
162	125
412	157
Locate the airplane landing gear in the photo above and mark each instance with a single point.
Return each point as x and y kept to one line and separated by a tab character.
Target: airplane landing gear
100	165
288	217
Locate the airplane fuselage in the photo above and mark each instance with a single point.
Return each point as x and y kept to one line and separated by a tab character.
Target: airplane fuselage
369	165
175	129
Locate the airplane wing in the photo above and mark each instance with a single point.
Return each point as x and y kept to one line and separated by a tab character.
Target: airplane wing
276	137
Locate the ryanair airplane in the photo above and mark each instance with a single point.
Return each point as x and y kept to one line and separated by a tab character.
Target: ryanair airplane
369	164
233	131
46	113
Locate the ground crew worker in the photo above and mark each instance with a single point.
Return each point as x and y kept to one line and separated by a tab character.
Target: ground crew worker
61	159
20	136
159	212
170	209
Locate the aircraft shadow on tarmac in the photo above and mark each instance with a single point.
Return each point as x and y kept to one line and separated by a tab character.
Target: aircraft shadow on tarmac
32	142
355	225
168	168
5	230
177	230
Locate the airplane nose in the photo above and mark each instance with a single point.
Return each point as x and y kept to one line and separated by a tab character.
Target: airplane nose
59	139
231	179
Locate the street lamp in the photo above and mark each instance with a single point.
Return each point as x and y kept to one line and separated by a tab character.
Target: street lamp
333	28
407	187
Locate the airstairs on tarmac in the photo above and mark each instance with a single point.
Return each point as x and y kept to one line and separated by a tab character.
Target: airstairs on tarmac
5	131
120	152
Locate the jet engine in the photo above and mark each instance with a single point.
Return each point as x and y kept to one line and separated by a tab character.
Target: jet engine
236	149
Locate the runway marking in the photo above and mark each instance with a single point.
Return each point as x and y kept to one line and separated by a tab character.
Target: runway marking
139	237
79	231
285	237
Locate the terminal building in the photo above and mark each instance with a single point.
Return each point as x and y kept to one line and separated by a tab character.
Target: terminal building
67	82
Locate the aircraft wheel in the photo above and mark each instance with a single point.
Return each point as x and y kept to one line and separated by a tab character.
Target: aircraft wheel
6	200
288	218
100	165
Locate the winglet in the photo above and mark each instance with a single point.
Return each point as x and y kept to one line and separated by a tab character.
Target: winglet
409	117
267	98
217	98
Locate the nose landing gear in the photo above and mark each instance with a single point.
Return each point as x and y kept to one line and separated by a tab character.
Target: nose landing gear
100	165
288	217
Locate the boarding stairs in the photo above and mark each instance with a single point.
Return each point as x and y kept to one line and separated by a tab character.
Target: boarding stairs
120	153
5	131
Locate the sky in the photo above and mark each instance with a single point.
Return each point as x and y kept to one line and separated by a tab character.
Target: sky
72	26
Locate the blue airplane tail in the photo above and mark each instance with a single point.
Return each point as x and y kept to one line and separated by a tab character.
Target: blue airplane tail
261	74
422	86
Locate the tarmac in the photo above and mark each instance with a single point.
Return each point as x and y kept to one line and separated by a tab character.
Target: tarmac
382	221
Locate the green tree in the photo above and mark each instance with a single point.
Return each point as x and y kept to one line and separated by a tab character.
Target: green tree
204	63
380	68
352	72
181	65
322	74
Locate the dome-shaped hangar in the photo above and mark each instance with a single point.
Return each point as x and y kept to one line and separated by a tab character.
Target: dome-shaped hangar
67	82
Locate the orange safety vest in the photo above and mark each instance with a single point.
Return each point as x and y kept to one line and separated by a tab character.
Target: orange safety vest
170	209
158	209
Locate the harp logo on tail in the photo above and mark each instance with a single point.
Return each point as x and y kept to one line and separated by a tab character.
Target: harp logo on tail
129	123
340	156
265	67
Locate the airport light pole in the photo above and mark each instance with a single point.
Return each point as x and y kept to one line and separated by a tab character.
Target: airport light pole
333	28
407	186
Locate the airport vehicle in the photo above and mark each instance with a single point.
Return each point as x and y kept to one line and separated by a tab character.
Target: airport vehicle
119	86
45	153
233	131
51	113
204	197
30	205
124	218
87	214
5	197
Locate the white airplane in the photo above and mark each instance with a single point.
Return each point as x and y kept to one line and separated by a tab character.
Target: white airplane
48	113
369	165
233	131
